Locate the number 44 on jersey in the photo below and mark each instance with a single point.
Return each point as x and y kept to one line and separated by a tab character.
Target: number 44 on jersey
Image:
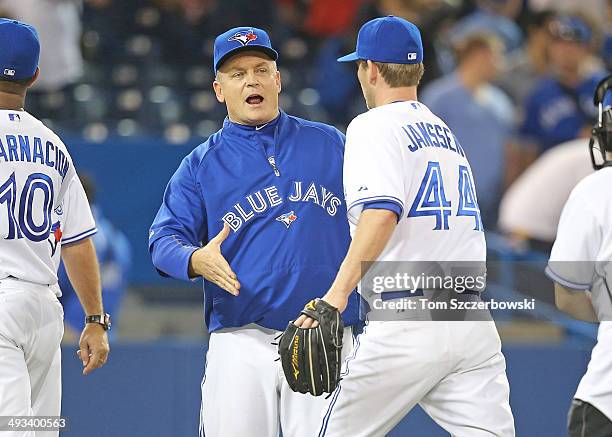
431	198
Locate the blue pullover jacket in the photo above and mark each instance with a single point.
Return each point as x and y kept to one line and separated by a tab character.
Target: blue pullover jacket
279	188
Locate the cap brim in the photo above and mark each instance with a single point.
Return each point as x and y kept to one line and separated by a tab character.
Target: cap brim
271	53
349	58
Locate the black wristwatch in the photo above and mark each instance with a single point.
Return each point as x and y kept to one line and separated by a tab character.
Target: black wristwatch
101	319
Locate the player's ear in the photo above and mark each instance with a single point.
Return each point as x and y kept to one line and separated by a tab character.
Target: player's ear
218	91
33	79
277	80
372	72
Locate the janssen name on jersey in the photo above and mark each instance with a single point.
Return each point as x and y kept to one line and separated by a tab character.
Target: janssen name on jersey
422	134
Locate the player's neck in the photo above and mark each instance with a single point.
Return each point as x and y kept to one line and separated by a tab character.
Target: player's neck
11	101
390	95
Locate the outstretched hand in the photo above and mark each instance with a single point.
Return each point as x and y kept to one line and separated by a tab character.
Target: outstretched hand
210	263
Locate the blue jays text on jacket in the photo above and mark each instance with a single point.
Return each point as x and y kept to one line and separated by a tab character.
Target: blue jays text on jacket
280	190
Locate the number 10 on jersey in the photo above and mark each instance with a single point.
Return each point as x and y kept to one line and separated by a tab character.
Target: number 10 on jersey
21	223
431	198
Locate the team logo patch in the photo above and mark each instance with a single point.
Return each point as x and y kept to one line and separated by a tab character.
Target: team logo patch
9	72
287	218
243	37
55	237
14	117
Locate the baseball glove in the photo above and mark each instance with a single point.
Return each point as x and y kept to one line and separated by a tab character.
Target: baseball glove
311	358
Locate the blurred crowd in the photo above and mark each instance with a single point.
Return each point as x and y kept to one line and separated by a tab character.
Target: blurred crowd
513	79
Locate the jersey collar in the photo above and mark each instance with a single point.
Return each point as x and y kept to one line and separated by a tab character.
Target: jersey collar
238	130
249	135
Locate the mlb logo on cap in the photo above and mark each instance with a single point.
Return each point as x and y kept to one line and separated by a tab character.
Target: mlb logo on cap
388	39
19	50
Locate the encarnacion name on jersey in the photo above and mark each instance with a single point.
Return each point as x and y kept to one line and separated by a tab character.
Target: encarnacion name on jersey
24	148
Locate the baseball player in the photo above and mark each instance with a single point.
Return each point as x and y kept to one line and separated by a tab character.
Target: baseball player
411	197
580	265
43	213
257	211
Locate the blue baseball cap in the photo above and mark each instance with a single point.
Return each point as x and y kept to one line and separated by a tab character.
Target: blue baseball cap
241	39
388	39
571	28
19	50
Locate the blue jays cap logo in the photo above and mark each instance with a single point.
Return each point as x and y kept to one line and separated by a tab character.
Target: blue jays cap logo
243	38
287	218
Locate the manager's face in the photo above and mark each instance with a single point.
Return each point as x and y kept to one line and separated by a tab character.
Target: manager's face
249	84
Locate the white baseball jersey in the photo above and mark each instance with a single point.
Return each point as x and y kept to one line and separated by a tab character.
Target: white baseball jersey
42	202
404	154
581	259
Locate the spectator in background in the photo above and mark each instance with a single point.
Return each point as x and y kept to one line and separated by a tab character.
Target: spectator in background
525	69
59	27
606	52
592	7
560	107
320	18
107	26
256	13
479	114
495	17
531	64
184	29
114	256
184	26
531	207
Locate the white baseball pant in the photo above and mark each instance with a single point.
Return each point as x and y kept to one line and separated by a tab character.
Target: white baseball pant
454	370
244	391
31	329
